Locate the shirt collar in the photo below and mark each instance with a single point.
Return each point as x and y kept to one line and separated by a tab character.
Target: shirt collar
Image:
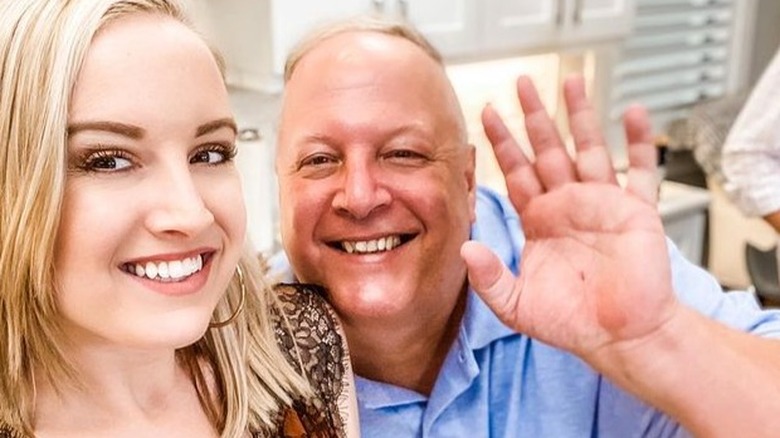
378	395
480	325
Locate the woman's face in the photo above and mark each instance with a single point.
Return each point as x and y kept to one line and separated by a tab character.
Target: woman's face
153	219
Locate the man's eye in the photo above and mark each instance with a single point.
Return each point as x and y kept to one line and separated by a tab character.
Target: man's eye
317	160
107	161
405	155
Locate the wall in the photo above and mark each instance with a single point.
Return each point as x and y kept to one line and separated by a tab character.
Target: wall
766	37
480	83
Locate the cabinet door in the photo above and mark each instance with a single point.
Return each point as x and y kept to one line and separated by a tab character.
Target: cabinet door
452	26
521	24
291	19
255	166
593	20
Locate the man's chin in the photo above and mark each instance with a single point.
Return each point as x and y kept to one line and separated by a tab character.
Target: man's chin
372	300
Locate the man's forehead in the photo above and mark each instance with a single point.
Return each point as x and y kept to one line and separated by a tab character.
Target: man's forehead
354	49
369	70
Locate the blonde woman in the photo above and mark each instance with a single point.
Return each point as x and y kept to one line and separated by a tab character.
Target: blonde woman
129	305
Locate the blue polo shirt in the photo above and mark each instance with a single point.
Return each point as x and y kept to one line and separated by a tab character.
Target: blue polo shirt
497	383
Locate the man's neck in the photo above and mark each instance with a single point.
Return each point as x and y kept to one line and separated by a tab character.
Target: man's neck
405	355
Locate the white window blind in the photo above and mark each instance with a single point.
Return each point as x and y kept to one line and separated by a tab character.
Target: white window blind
677	56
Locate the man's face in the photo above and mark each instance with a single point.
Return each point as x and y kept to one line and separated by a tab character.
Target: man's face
376	180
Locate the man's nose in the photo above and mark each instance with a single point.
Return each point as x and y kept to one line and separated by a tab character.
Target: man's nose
363	190
178	207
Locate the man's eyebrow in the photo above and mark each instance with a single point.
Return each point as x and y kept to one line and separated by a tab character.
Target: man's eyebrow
212	126
130	131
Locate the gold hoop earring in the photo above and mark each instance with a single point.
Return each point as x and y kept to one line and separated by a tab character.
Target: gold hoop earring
240	307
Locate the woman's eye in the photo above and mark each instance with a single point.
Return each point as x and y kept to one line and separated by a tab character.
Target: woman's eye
107	161
213	155
209	157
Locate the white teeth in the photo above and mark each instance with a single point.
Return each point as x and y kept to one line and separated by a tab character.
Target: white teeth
371	246
176	269
151	270
173	270
162	270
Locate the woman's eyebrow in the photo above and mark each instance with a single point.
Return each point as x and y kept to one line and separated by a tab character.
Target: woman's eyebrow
130	131
212	126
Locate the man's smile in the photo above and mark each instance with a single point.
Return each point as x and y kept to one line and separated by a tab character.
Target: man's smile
381	244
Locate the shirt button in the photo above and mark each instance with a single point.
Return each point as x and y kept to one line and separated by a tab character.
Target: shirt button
461	357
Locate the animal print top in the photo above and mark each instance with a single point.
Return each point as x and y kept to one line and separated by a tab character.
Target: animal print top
312	342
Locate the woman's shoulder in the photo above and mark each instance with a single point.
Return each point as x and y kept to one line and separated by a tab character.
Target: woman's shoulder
310	336
309	331
297	299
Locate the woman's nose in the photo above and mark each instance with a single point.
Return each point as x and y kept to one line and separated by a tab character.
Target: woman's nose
179	207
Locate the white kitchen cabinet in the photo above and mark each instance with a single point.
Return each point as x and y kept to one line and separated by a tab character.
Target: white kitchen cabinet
292	19
479	28
254	113
449	24
520	24
594	20
255	165
452	26
683	210
554	24
256	35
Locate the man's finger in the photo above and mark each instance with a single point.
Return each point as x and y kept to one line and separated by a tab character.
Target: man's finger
642	155
553	164
522	183
593	161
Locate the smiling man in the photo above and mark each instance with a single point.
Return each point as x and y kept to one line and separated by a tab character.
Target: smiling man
378	202
378	211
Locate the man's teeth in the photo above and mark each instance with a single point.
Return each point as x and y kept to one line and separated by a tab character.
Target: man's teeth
167	271
369	246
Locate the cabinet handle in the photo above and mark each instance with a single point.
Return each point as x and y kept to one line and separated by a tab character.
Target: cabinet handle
249	134
577	11
559	14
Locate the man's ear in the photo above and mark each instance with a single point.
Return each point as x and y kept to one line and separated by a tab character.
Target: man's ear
471	180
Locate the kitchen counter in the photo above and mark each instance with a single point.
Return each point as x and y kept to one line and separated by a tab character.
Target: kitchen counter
683	209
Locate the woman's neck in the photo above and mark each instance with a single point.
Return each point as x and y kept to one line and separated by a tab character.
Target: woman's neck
121	393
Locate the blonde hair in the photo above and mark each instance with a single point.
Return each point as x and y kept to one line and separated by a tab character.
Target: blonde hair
43	44
358	24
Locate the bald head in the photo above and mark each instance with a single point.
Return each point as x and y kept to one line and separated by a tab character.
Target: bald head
366	61
359	24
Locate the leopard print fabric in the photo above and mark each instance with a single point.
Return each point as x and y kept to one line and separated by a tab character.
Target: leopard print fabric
7	432
315	347
308	336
